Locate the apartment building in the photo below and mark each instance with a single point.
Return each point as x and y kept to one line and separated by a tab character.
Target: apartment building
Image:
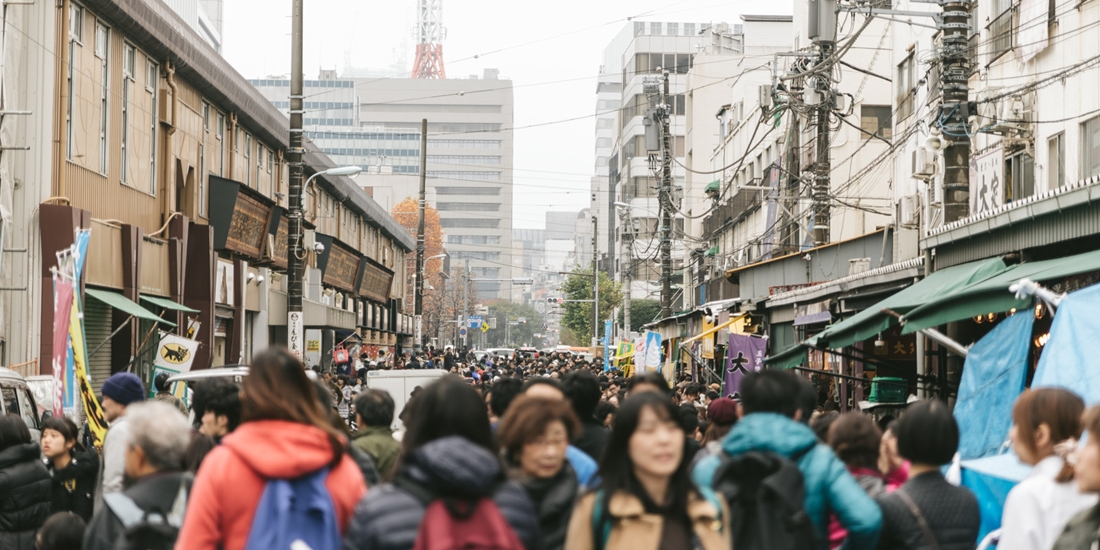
176	166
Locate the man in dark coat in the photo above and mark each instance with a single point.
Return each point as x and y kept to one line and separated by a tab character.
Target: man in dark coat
158	438
24	486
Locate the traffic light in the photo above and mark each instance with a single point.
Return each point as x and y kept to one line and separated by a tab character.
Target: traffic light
554	300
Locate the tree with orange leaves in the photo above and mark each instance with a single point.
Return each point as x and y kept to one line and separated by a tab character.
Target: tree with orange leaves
405	212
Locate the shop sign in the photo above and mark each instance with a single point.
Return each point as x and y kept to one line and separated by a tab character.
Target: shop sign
376	282
224	282
986	181
278	236
342	268
240	220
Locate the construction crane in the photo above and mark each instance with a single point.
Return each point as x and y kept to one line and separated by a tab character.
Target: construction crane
429	40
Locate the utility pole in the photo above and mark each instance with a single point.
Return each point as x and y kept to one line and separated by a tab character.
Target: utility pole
595	284
628	273
466	301
419	282
659	141
954	78
823	164
296	195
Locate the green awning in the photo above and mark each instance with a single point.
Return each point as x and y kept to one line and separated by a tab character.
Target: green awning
790	357
992	295
713	187
118	301
167	304
872	320
712	251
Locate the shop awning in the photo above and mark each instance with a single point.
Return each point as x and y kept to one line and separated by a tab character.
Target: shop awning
712	251
992	295
119	302
790	357
167	304
872	320
713	187
713	329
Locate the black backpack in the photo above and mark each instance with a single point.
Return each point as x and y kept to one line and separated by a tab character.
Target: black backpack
148	529
766	497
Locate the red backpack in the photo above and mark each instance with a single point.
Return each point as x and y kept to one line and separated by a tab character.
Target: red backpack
461	524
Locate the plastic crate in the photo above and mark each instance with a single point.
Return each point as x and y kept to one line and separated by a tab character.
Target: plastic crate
894	390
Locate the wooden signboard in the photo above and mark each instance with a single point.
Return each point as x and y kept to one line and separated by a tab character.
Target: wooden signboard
376	282
342	268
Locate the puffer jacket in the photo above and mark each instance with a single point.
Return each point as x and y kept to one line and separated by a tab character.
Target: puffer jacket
389	517
73	487
553	499
951	512
829	487
24	496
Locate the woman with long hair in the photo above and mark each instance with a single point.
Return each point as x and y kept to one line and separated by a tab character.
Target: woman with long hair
72	470
24	486
447	451
1046	425
285	433
533	436
646	499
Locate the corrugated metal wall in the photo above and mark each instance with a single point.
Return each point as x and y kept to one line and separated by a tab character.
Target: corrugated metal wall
97	328
1075	223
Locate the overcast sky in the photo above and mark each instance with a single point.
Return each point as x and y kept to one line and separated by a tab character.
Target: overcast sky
550	50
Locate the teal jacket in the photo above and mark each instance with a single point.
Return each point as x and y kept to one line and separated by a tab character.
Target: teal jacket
830	489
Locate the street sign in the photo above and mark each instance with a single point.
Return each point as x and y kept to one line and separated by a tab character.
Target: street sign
294	326
522	320
474	321
484	327
462	333
492	322
523	281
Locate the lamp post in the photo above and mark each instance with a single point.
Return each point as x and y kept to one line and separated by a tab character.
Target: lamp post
296	258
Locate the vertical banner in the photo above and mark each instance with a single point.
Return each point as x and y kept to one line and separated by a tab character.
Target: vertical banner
639	355
607	345
653	350
706	350
193	326
62	305
624	357
744	354
72	386
175	355
294	333
97	423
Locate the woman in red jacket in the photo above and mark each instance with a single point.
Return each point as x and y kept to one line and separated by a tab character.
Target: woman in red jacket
284	434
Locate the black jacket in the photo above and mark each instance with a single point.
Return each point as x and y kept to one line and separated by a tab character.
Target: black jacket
154	492
592	439
24	496
73	487
951	512
389	516
553	499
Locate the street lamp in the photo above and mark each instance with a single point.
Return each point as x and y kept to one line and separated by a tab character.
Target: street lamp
338	171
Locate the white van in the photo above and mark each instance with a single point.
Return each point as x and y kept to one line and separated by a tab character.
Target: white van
400	384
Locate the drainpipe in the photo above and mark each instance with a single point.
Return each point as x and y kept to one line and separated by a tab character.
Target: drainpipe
232	143
59	135
171	189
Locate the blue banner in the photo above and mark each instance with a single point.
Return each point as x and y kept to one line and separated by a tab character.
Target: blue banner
992	378
653	351
80	243
1069	357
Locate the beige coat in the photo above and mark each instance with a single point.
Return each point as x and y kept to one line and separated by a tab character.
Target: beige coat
633	529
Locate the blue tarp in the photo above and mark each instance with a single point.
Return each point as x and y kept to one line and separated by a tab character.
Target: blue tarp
990	479
993	377
1069	357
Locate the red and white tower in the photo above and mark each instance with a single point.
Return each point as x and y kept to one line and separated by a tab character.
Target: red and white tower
429	40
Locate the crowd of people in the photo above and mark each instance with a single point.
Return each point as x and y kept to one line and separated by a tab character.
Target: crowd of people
541	453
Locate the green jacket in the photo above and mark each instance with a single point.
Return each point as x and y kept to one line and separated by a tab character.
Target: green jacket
1081	531
378	442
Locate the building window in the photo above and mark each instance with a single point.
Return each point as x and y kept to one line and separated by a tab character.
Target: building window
1056	161
1000	29
205	116
906	84
467	207
247	160
101	39
259	164
151	76
1090	148
1019	176
270	173
76	39
202	179
220	134
128	55
875	120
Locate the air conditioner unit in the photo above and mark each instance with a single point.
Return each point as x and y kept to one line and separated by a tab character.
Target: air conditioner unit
909	211
922	163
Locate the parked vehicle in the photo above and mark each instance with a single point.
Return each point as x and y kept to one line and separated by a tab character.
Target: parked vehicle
18	399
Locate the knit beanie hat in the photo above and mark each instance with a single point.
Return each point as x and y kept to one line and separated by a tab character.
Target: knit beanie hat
124	388
722	411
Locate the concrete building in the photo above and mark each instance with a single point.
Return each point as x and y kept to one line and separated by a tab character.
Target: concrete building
375	123
640	51
175	165
203	16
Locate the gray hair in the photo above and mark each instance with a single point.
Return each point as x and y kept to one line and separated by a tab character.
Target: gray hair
161	431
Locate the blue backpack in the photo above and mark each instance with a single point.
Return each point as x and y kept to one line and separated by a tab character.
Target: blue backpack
293	512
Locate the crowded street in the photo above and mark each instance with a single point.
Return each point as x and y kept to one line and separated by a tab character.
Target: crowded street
500	275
